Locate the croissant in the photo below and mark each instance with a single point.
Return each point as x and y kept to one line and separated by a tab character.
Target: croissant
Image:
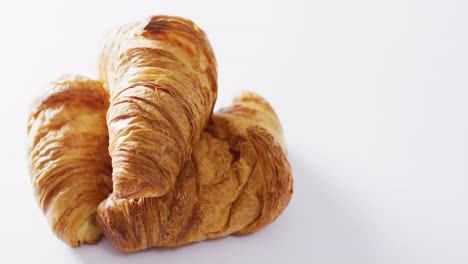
69	163
237	181
161	75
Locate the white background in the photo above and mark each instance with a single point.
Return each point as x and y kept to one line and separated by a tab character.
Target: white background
373	97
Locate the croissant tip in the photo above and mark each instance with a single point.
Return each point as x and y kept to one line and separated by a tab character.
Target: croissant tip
156	22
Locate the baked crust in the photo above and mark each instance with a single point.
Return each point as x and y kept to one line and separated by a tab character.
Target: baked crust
161	75
69	163
237	181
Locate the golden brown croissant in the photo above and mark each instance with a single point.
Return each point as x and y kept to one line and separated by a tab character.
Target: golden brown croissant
161	75
237	181
69	163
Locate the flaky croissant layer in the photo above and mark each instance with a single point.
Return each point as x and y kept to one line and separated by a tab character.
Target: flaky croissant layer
237	181
161	75
69	163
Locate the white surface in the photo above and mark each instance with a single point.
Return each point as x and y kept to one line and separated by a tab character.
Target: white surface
373	97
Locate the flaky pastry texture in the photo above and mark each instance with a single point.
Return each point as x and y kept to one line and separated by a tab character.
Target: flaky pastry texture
69	164
161	75
237	181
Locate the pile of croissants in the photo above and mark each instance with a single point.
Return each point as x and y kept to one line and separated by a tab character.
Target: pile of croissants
139	155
